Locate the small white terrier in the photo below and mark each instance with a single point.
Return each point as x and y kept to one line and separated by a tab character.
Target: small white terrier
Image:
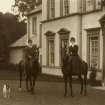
6	91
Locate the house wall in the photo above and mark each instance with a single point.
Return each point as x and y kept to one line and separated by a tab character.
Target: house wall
92	21
75	23
69	23
37	38
74	8
34	37
16	54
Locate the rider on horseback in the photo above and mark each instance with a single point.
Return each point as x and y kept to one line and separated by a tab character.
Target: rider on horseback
29	51
75	59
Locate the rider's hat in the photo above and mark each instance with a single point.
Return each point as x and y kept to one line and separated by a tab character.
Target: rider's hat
72	39
29	41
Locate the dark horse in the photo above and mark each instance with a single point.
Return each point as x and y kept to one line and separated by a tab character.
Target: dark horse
31	69
68	71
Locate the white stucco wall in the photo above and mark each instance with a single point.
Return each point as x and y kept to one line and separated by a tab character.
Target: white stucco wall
16	54
35	37
73	8
92	21
70	23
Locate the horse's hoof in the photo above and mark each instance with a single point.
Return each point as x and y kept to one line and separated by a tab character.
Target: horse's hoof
65	95
20	89
72	95
81	93
32	92
28	90
85	94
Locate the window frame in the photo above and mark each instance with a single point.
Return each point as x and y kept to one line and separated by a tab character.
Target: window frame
34	25
64	7
49	37
50	9
63	35
49	59
91	35
95	8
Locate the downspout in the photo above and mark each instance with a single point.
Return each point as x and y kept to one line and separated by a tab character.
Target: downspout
80	28
28	28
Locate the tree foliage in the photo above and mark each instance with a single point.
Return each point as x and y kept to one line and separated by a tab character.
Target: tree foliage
26	5
10	30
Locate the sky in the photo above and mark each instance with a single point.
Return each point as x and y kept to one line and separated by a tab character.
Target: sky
5	5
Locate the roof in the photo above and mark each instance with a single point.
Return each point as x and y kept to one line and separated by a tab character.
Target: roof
22	42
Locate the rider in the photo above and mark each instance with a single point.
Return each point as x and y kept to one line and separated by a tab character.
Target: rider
73	53
73	49
28	50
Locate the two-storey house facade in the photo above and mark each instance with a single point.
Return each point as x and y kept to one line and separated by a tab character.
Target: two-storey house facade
61	19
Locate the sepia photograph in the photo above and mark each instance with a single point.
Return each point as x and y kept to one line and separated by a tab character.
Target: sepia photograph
52	52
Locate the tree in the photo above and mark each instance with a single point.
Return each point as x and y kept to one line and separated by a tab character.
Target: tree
26	5
10	30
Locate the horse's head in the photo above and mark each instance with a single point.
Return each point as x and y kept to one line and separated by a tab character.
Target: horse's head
65	55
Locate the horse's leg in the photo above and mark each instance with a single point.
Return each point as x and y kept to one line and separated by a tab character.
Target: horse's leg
81	80
70	84
20	79
31	85
27	78
85	83
65	80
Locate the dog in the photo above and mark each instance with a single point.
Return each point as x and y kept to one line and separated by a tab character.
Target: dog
6	91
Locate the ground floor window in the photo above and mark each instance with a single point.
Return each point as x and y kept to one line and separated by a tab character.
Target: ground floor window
51	52
93	48
62	43
50	55
64	40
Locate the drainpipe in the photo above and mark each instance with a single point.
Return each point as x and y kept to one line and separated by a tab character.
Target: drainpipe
28	28
80	28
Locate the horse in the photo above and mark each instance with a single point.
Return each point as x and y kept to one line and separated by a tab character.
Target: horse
31	69
68	71
21	69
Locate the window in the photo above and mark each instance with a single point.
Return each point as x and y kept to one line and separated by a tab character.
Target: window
64	7
51	8
98	4
93	48
34	25
38	2
51	52
50	48
64	40
91	5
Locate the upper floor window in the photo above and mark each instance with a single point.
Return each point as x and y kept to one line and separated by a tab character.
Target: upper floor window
34	25
91	5
51	8
38	2
64	7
